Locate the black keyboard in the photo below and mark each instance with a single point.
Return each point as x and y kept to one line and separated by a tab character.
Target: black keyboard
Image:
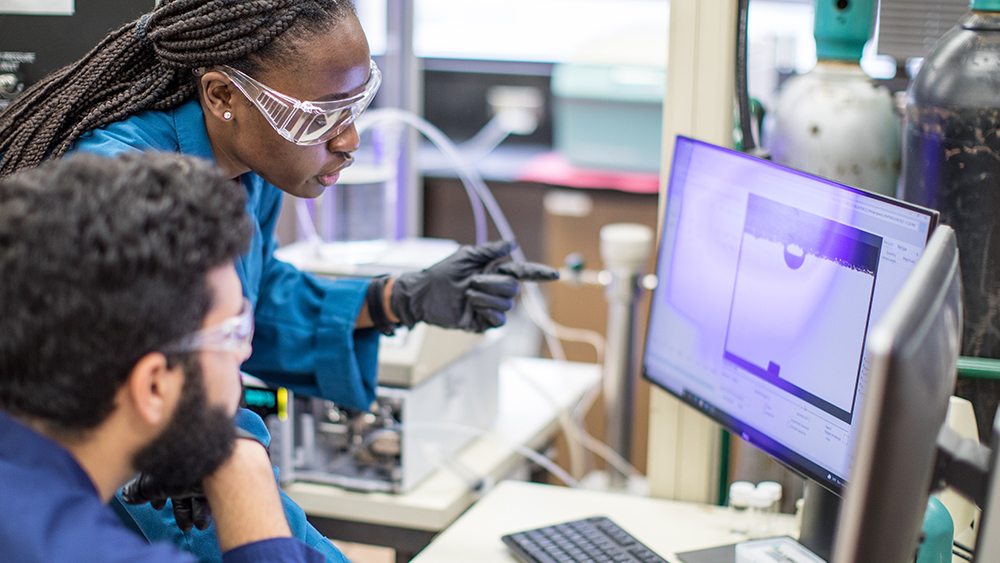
591	540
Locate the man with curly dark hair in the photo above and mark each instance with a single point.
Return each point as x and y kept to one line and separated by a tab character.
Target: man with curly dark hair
122	329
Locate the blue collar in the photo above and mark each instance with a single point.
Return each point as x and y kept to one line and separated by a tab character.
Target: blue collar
192	136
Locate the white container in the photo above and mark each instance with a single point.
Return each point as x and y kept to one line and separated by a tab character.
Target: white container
773	491
760	517
739	506
772	488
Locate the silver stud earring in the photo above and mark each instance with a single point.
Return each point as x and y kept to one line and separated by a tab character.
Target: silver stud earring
227	115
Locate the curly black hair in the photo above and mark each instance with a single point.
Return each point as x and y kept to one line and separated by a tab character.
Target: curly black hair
147	64
105	260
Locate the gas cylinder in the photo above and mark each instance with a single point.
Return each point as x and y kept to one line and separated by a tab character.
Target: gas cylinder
951	162
834	121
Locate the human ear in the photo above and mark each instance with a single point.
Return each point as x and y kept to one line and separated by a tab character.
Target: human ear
217	95
154	389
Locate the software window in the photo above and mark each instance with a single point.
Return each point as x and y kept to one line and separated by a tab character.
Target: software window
800	305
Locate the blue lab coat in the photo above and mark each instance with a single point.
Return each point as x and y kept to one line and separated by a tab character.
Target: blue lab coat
304	337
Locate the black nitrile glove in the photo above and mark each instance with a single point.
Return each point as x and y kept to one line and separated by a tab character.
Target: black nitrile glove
471	289
190	505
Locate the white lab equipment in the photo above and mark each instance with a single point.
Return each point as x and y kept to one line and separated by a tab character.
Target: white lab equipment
412	429
437	388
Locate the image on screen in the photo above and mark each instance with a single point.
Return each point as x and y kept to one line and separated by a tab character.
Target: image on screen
808	283
769	281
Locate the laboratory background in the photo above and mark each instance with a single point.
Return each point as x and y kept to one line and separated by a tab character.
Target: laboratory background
554	123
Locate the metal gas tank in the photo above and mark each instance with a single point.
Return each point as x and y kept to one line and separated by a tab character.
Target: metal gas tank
835	122
951	163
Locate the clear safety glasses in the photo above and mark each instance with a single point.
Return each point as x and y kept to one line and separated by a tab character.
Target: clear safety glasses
231	335
304	123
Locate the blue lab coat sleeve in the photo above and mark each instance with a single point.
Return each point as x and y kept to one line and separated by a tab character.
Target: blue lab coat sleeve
304	338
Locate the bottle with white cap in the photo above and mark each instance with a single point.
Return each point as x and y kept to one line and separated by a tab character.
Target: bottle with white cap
760	521
739	506
773	490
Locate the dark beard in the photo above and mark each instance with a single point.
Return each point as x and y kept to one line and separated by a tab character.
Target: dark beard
196	440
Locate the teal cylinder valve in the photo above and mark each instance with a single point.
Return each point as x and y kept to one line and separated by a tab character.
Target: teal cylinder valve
842	27
939	532
985	5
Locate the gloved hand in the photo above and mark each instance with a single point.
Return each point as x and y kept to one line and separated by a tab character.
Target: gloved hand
191	509
190	506
471	289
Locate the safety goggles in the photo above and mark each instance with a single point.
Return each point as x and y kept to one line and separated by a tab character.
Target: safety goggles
304	123
231	335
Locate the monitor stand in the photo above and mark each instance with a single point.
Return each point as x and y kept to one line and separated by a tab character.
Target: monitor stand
819	519
819	524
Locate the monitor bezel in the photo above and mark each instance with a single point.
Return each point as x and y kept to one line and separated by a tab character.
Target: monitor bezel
915	350
783	455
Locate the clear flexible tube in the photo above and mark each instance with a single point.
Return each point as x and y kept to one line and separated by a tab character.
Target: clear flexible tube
534	303
525	451
479	195
487	139
484	141
599	448
466	173
439	139
464	472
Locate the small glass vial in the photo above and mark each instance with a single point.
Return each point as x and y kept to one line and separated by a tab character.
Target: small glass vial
773	489
739	506
760	519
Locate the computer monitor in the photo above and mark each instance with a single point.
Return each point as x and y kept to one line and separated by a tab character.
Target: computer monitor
913	352
769	281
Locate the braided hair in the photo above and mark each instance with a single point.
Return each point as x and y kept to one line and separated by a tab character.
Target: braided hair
147	64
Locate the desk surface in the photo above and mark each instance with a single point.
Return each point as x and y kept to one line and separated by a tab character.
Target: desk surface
665	526
532	393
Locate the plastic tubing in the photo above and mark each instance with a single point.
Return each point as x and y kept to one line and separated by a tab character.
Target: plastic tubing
525	451
479	195
483	142
577	433
443	143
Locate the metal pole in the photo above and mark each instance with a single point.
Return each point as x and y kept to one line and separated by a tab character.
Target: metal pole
624	249
403	88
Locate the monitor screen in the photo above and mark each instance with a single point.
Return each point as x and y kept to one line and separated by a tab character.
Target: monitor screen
769	282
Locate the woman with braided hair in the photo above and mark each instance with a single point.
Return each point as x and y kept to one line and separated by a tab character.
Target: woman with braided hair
268	90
